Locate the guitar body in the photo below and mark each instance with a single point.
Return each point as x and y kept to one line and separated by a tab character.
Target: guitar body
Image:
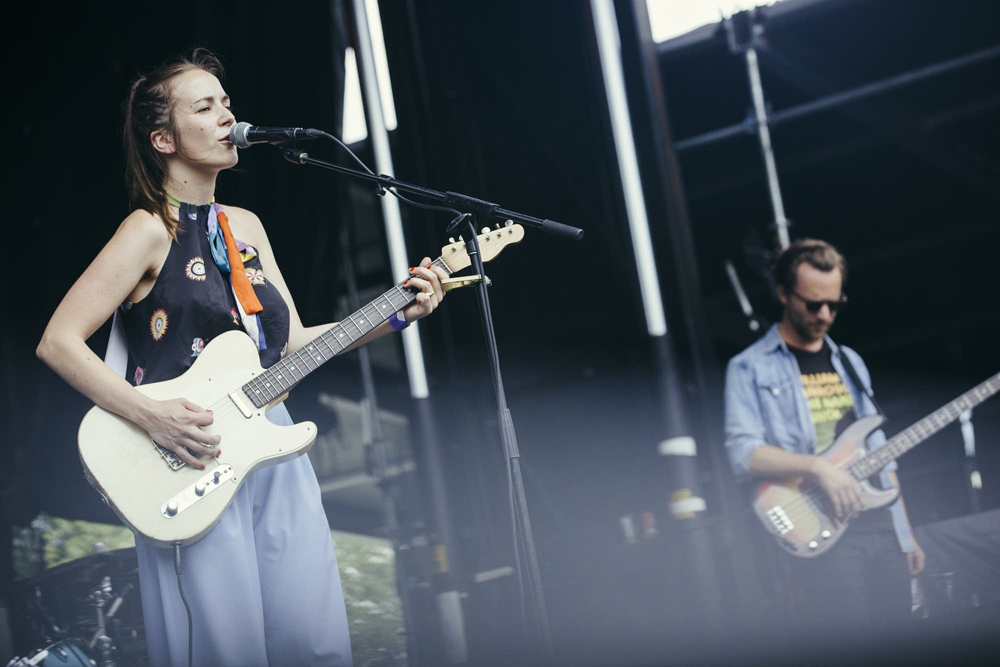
139	483
796	510
167	502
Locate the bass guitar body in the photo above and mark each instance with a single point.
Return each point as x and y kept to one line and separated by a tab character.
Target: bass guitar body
163	500
797	511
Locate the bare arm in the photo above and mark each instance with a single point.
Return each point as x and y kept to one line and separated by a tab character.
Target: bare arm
124	269
427	280
771	461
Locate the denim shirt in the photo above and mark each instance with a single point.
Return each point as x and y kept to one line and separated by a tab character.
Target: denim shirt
766	403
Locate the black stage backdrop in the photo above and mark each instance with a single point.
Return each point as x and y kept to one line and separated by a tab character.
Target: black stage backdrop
504	100
69	68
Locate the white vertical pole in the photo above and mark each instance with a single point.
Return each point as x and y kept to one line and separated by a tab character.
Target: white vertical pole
449	602
609	47
398	262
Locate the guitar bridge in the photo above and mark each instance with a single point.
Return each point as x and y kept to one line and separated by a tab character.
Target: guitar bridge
782	524
172	459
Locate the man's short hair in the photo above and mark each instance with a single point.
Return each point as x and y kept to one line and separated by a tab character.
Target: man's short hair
819	254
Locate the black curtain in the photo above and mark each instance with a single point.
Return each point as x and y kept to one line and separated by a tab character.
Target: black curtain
69	71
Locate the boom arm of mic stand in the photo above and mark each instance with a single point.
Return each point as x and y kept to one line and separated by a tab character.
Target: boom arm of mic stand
484	210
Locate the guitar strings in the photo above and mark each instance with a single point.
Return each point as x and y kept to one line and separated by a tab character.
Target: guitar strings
224	406
930	424
814	499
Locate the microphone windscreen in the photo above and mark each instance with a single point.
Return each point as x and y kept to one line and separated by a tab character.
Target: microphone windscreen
238	135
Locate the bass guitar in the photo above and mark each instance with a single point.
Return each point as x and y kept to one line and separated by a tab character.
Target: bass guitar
797	512
167	502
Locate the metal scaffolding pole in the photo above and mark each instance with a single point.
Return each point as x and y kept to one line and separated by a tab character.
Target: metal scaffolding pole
447	597
677	446
838	99
767	152
741	33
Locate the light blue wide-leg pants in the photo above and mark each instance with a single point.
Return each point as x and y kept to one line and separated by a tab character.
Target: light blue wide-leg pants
263	585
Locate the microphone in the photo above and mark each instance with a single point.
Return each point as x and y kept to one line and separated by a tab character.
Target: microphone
244	135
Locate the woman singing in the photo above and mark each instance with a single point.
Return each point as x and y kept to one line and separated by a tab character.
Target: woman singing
263	584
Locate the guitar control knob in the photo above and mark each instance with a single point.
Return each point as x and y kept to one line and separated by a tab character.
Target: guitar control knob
814	545
217	476
199	489
172	508
825	534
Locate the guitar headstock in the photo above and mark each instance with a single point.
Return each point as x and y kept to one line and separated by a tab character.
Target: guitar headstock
491	243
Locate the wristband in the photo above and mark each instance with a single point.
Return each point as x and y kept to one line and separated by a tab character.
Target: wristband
397	322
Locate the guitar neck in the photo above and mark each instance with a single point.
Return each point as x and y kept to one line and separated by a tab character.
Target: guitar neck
909	438
282	376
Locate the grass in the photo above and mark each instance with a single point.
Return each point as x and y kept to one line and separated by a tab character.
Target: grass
367	573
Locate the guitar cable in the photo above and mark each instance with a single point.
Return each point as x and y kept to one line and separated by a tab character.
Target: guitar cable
180	587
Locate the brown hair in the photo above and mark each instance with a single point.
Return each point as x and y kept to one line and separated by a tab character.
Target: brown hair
819	254
149	108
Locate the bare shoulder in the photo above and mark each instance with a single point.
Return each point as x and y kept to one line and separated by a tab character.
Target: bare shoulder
246	225
142	235
143	228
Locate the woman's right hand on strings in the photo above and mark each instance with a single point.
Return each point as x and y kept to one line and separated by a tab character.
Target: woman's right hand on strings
177	425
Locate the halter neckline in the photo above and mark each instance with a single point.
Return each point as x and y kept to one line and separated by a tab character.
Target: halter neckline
174	201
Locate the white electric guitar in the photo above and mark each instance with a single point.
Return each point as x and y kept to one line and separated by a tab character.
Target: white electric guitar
168	502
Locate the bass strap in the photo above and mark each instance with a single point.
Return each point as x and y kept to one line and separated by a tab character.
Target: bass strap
858	383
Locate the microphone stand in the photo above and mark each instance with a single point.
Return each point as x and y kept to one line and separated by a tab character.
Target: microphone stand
472	212
487	211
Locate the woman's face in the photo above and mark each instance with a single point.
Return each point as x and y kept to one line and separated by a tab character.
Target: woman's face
202	120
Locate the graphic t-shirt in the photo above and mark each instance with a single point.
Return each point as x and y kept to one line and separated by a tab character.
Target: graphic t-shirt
830	401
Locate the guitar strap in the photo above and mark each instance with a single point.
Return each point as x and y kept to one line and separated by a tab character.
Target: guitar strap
861	385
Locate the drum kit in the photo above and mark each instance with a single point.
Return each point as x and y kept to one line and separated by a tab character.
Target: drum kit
86	613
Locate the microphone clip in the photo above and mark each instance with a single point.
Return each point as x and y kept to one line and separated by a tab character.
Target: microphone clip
292	153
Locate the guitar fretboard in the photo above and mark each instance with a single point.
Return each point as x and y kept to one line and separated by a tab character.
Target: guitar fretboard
288	372
909	438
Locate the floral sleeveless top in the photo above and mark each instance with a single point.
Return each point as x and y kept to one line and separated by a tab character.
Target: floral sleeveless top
192	303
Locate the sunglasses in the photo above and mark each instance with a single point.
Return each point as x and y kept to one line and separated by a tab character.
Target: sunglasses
816	306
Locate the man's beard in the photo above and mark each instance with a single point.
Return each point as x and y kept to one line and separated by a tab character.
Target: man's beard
807	332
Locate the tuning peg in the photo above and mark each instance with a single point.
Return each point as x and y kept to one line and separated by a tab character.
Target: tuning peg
485	230
497	225
451	239
509	223
460	238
